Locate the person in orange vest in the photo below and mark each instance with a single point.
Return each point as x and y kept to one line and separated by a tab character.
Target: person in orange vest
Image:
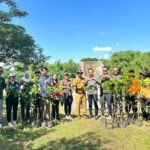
80	94
130	98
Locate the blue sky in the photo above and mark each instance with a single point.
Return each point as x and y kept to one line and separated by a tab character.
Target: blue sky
87	28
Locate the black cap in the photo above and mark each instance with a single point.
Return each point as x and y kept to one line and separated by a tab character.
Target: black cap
143	73
131	70
79	71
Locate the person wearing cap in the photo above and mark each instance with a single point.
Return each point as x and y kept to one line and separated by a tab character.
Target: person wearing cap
25	86
92	92
12	90
132	91
80	94
2	87
106	94
67	95
143	99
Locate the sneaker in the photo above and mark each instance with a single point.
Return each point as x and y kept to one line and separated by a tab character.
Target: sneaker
102	116
67	117
10	124
109	117
44	124
1	125
70	118
90	116
14	123
55	121
28	121
96	117
85	116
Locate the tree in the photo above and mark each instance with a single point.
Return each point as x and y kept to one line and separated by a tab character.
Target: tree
15	44
71	67
57	68
89	59
129	59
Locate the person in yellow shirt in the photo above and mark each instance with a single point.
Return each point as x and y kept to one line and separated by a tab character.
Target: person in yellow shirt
80	94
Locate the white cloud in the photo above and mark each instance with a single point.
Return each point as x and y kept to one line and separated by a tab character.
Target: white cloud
117	43
102	48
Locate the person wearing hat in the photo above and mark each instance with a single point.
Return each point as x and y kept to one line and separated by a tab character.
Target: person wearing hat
106	94
80	94
67	95
2	87
130	97
12	90
143	99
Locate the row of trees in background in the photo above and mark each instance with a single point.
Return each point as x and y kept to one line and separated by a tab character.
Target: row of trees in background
123	60
58	68
129	59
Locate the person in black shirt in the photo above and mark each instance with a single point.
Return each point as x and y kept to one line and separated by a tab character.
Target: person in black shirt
12	90
2	86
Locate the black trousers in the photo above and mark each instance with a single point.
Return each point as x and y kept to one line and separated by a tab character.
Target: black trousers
67	99
130	102
55	109
25	110
37	109
144	104
11	104
93	98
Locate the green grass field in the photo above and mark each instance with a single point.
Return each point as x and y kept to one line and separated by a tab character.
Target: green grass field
84	134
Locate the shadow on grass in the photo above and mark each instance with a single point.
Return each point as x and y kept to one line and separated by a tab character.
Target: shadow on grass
15	139
88	141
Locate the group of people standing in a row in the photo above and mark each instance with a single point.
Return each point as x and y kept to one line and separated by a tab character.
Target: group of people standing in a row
84	89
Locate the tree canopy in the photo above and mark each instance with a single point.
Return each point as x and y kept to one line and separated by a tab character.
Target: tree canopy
129	59
15	44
